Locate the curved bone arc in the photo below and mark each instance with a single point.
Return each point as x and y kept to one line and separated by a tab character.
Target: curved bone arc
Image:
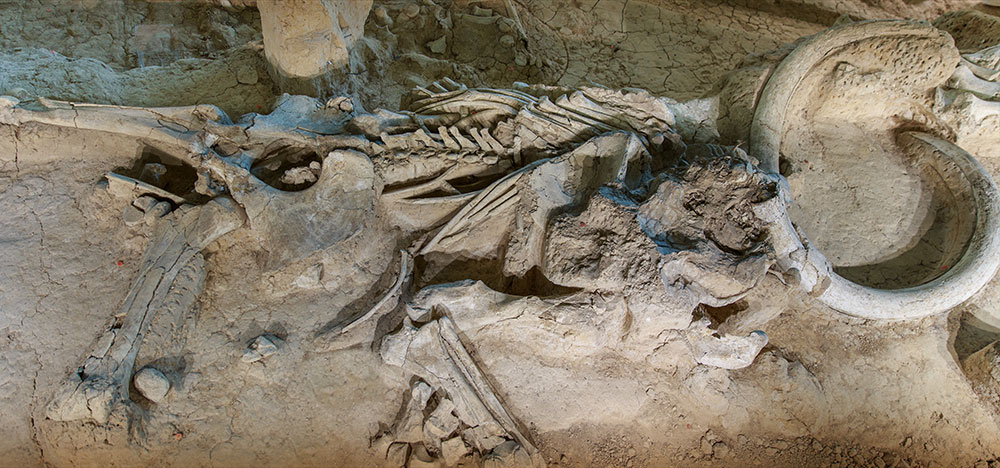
982	72
973	270
390	298
102	382
769	121
466	217
966	79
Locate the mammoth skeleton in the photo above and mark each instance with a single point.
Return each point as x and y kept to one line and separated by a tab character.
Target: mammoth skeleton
496	176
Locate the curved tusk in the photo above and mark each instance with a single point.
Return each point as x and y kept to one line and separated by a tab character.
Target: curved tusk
769	120
976	267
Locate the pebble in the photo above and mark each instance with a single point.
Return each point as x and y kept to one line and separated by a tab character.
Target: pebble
260	348
439	45
152	384
382	17
411	10
452	450
397	454
132	215
246	74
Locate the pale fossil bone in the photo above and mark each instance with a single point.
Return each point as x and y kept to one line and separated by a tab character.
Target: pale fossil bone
101	384
807	266
435	352
784	85
966	79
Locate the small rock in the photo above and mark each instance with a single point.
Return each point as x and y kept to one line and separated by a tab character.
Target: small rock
565	31
479	11
418	314
929	447
382	16
442	422
520	60
706	446
246	74
982	464
411	10
507	455
310	278
397	454
132	215
151	383
144	202
420	393
452	450
908	442
720	450
439	45
159	210
260	348
817	446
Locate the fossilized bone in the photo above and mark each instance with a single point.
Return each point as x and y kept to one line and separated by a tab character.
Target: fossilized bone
102	382
436	353
785	88
289	223
784	93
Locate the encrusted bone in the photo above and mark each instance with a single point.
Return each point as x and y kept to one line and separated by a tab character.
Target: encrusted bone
966	79
172	126
361	330
987	58
102	383
435	352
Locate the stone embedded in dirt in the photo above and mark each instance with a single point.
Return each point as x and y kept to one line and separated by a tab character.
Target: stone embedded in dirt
144	202
452	450
397	454
439	45
132	215
720	450
302	39
152	384
442	422
261	347
507	455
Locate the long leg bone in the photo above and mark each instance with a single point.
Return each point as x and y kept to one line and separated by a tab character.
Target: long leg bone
174	126
436	353
95	389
